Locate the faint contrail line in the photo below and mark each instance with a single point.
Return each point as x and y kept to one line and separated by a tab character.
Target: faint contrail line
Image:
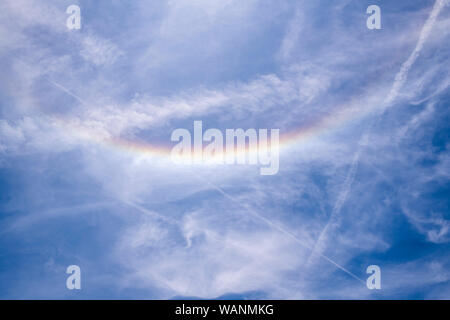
277	227
58	85
151	213
400	79
70	93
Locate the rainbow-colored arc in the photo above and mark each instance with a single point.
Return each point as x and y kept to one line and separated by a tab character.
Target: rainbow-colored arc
323	125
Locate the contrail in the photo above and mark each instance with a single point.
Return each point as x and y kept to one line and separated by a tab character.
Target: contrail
277	227
151	213
400	79
401	76
70	93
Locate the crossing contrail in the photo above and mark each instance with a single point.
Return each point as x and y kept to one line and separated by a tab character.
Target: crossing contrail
399	80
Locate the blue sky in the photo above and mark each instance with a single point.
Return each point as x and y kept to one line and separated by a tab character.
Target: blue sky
370	187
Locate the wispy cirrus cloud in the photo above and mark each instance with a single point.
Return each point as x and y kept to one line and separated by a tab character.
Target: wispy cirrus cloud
160	230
